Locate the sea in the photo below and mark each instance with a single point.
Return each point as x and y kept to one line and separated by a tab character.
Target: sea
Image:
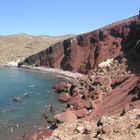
21	118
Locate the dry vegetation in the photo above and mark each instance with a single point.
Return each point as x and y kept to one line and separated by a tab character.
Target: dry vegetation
20	46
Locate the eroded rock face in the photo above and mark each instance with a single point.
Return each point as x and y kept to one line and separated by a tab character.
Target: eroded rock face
119	97
84	52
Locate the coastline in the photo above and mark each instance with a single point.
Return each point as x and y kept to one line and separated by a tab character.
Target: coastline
56	72
41	95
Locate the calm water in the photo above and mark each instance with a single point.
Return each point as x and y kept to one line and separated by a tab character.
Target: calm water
28	113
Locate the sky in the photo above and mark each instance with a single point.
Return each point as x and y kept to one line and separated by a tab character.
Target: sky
60	17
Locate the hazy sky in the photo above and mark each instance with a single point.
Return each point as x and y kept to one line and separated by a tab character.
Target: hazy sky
59	17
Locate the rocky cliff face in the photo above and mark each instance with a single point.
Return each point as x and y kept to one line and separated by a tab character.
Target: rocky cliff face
84	52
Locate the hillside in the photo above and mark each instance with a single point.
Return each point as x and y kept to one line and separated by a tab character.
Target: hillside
84	52
20	46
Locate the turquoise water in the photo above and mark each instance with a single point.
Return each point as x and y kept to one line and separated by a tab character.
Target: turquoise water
18	117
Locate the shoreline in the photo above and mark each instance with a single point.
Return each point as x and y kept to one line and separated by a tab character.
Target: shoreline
56	72
39	123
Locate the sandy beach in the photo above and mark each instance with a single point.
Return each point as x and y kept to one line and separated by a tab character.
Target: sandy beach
57	72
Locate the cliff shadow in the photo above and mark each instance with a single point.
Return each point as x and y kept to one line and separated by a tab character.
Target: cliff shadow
131	48
65	63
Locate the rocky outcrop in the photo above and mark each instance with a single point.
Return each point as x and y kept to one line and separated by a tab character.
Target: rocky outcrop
67	116
107	128
64	97
110	90
84	52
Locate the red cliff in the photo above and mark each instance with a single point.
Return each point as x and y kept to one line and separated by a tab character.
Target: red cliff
84	52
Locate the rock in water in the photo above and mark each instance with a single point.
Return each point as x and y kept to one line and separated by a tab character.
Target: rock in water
31	86
27	94
49	108
17	99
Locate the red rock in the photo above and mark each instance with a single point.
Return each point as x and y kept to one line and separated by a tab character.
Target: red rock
98	91
86	94
78	102
127	108
97	94
93	103
97	101
64	97
107	129
118	97
68	109
81	113
67	116
119	81
60	86
99	79
41	134
88	118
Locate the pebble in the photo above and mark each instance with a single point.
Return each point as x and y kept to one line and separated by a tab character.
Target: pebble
27	94
17	125
105	120
11	129
31	86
